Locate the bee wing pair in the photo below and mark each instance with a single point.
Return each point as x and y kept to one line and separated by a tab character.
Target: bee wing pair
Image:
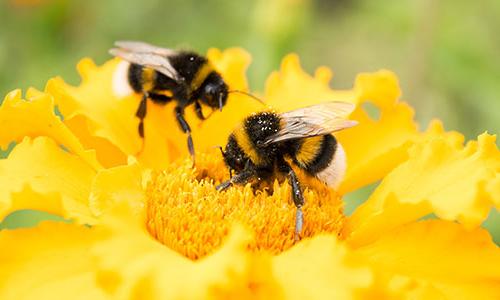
147	55
314	120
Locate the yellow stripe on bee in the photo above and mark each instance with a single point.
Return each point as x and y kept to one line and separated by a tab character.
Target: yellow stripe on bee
246	145
201	75
309	150
148	75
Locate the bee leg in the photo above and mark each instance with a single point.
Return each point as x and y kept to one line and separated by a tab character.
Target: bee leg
199	111
179	113
223	186
141	113
241	178
298	198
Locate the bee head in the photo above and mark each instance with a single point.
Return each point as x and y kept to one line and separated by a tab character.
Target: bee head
215	92
234	157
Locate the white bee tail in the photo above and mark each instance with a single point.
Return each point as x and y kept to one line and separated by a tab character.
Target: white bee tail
121	86
333	174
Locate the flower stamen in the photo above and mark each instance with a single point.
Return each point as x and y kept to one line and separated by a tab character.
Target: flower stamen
187	214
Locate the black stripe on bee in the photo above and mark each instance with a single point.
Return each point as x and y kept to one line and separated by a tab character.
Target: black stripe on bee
135	77
324	156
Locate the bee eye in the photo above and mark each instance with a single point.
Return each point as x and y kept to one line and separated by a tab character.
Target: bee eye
210	90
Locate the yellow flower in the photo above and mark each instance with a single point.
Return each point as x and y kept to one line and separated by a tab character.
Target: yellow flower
159	230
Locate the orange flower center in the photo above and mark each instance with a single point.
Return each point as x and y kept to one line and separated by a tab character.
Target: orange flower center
187	214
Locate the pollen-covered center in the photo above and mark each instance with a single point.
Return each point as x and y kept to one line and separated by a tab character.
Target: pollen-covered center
187	214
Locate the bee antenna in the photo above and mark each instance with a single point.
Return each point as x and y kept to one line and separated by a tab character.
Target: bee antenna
224	155
249	95
221	150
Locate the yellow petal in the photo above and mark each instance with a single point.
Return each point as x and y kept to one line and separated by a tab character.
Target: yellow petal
132	263
107	154
494	189
109	116
163	141
435	130
292	88
48	262
232	64
320	268
404	287
438	178
381	88
27	198
439	255
375	146
35	117
45	168
116	185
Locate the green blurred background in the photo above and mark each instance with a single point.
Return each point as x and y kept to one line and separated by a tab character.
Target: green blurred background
446	53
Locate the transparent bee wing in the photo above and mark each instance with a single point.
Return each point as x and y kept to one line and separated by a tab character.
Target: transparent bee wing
151	60
136	46
314	120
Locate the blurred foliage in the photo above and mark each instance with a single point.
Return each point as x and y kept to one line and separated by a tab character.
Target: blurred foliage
28	218
446	53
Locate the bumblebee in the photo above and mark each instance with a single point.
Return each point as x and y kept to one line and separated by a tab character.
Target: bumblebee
267	142
163	75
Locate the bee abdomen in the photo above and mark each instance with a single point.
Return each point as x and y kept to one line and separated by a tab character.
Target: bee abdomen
135	77
333	174
323	157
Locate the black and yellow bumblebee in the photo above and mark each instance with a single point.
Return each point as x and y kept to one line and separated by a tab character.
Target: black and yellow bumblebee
266	142
152	71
